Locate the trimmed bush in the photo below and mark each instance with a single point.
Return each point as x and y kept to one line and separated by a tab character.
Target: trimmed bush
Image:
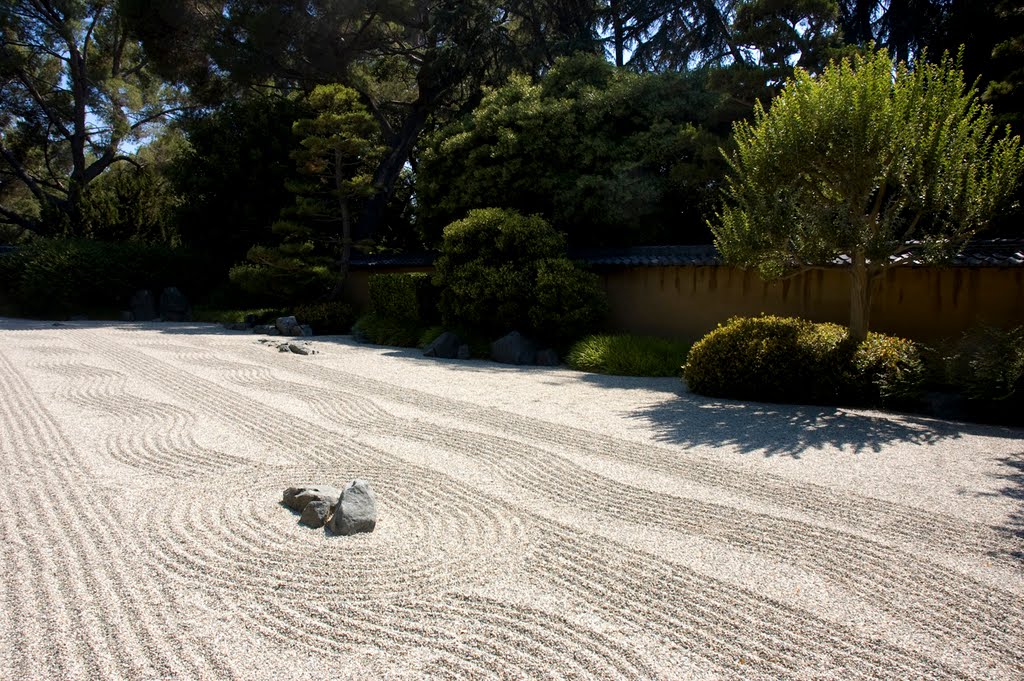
626	355
403	296
783	359
326	317
380	330
773	359
501	271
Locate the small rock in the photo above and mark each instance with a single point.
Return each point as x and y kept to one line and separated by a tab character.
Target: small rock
463	352
306	329
297	498
283	347
514	348
356	510
301	349
445	346
315	514
174	306
143	307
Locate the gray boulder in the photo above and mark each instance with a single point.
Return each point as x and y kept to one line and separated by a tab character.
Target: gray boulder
356	510
306	329
547	358
315	514
288	326
463	352
143	307
174	306
297	498
514	348
445	346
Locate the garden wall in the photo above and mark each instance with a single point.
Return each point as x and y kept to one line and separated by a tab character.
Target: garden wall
685	302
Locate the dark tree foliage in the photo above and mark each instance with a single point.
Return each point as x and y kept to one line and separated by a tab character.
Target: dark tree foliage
74	90
409	61
232	179
607	156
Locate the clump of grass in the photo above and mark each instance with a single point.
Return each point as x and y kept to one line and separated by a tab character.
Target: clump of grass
628	355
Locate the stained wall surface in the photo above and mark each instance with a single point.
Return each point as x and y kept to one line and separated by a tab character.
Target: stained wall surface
924	303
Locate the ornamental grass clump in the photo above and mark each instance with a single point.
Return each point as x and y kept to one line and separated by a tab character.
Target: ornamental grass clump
628	355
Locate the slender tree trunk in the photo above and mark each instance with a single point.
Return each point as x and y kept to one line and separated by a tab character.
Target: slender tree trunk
860	296
617	29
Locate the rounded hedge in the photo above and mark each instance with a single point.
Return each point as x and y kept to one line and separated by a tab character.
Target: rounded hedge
785	359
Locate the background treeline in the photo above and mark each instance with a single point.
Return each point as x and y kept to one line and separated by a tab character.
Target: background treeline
195	124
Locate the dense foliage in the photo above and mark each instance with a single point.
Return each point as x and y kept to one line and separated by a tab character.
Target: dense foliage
501	271
326	317
403	295
608	157
54	277
785	359
74	91
858	164
627	355
334	156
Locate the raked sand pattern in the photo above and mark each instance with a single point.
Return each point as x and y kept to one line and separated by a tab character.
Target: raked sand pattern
534	522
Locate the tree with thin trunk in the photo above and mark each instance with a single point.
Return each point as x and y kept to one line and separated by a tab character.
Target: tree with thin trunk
74	90
863	166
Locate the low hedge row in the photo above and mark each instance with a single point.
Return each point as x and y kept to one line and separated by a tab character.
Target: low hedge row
628	355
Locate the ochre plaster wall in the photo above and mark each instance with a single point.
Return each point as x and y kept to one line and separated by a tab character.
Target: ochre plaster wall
917	302
923	303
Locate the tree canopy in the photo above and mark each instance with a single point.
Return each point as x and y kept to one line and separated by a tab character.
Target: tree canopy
74	90
861	164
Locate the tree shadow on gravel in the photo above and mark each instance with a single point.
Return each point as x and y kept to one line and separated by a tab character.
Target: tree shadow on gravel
1012	479
788	430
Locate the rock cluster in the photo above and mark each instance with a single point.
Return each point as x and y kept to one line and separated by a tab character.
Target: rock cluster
513	348
283	326
347	511
143	307
295	347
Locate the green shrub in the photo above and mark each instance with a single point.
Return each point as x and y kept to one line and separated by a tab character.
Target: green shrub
774	359
56	277
784	359
407	295
989	364
887	370
501	271
626	355
326	317
380	330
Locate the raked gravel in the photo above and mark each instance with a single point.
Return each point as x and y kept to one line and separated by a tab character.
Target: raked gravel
533	522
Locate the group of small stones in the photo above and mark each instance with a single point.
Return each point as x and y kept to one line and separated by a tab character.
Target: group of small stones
171	306
283	326
343	511
512	348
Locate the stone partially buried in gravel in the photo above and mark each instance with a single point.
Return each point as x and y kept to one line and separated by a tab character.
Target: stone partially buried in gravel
297	498
356	511
315	514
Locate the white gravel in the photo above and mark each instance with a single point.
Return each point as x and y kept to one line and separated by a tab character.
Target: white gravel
534	522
